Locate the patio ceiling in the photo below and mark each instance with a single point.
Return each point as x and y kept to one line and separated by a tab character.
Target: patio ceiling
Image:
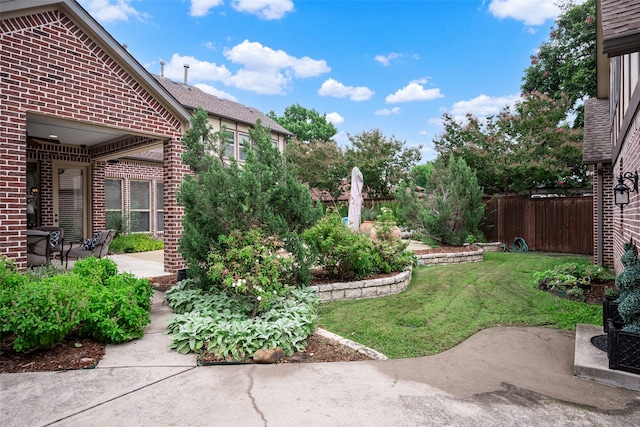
52	129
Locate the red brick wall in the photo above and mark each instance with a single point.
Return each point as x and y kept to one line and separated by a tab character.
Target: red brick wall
48	65
608	210
626	224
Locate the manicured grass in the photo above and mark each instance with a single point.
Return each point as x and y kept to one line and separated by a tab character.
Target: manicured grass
444	305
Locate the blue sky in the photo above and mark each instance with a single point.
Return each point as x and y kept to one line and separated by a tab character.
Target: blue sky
388	64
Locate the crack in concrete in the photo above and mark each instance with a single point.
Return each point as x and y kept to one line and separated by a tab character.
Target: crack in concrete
117	397
253	400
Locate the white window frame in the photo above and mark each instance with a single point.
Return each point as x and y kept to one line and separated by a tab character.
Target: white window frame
134	209
106	208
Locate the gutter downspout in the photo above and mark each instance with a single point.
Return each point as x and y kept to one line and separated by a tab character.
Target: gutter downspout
599	218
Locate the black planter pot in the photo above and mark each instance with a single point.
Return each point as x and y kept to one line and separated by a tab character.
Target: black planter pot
623	350
610	311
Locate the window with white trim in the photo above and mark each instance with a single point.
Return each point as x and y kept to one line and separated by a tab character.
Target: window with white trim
244	142
140	204
113	204
230	146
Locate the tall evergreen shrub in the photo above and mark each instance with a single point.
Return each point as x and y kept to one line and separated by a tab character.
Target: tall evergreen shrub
451	209
221	196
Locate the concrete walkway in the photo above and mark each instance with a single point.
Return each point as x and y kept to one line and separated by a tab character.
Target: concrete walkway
516	376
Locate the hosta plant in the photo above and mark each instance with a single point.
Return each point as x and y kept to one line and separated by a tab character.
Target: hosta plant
223	324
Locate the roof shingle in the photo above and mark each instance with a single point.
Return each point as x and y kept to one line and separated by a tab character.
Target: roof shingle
597	146
191	97
620	26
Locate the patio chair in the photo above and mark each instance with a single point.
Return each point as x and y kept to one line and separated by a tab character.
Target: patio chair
56	238
38	248
97	246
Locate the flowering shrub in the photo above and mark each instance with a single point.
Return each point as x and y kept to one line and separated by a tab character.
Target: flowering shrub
247	264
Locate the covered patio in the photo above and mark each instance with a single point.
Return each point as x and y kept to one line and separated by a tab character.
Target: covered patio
72	102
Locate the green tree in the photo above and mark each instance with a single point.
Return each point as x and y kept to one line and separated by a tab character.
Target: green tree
519	150
320	164
306	125
422	173
384	162
566	63
450	210
219	198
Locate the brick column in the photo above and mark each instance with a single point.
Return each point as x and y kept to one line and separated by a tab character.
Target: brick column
174	170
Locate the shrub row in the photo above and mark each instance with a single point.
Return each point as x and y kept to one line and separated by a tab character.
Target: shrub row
92	299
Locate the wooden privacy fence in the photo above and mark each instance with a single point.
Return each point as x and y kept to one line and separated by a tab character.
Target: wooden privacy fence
556	224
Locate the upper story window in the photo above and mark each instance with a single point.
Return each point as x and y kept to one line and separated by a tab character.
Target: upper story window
230	146
244	142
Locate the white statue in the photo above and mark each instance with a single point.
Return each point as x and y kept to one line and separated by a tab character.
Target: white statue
355	199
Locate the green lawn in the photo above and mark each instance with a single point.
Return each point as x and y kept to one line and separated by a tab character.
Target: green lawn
444	305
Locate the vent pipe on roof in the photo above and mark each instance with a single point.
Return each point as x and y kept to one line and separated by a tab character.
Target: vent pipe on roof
186	70
161	68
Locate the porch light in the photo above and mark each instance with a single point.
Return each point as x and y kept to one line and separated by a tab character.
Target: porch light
621	190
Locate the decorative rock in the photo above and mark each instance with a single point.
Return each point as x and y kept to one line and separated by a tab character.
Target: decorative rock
268	355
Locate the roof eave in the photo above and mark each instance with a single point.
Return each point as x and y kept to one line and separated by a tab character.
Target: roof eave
622	44
89	25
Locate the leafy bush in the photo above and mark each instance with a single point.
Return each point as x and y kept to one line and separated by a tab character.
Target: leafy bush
42	310
341	252
385	223
567	275
95	270
224	325
119	309
41	313
346	255
133	243
569	278
247	263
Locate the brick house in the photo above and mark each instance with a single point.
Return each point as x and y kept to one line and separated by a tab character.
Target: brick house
134	182
80	120
612	127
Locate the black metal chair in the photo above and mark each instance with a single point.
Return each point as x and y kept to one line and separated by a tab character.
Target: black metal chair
38	248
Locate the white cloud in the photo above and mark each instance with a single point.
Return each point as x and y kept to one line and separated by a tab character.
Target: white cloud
216	92
386	59
335	118
388	112
198	70
482	106
274	83
269	71
531	12
336	89
265	9
106	11
413	92
201	7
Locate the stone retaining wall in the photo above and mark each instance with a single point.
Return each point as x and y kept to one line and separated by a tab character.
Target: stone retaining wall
451	258
372	288
491	247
